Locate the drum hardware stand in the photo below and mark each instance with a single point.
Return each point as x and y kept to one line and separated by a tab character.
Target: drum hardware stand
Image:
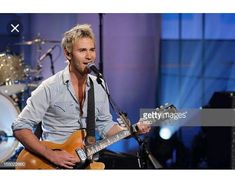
39	46
52	64
24	95
41	58
3	136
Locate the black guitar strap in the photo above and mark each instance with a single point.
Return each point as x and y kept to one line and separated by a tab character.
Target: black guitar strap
90	138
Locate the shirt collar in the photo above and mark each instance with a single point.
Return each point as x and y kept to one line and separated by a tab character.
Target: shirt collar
66	77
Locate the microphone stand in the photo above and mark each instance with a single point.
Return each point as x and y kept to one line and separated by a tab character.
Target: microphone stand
52	63
101	41
144	152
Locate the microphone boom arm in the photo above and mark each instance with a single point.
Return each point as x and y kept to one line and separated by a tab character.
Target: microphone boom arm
115	107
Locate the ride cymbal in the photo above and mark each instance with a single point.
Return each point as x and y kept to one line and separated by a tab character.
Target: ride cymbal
37	41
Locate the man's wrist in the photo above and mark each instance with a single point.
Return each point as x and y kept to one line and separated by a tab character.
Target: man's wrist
47	153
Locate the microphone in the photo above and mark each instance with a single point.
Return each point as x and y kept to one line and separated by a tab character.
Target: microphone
93	68
47	53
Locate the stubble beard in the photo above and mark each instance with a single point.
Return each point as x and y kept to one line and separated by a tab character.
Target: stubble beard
81	71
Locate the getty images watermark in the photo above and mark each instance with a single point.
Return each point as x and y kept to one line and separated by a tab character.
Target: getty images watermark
158	117
188	117
10	164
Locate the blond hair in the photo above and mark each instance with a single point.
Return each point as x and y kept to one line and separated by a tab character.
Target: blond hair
77	32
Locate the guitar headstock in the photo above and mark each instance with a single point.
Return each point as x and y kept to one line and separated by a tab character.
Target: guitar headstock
170	108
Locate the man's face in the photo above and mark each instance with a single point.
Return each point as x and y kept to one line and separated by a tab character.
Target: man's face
83	52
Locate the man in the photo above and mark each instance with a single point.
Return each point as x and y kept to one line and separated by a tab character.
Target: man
60	102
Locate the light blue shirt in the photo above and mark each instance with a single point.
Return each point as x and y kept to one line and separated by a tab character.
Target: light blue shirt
55	105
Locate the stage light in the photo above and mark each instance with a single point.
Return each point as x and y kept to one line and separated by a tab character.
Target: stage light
165	133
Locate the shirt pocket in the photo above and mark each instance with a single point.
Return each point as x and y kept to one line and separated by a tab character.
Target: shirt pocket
64	107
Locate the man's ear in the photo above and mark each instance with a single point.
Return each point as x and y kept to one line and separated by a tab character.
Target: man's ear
67	55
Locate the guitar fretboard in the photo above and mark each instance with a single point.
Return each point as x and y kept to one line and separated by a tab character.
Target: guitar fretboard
92	149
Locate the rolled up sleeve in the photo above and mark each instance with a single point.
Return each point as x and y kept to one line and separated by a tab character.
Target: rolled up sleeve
104	121
35	109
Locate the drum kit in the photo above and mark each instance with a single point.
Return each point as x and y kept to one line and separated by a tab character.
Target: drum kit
17	80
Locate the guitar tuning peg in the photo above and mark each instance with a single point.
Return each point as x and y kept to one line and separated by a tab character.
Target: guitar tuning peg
161	107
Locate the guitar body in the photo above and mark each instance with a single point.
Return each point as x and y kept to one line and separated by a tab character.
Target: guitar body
32	161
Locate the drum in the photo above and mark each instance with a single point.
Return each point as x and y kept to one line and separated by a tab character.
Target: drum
8	113
11	74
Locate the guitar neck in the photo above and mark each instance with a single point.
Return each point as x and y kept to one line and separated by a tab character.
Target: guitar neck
92	149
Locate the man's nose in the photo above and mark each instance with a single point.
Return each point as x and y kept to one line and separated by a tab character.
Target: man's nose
88	55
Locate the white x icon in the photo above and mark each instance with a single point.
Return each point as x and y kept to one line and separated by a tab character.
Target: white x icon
15	28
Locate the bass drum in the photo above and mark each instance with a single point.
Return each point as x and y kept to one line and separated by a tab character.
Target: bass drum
8	113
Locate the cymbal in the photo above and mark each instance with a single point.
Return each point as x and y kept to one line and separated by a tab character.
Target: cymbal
37	41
